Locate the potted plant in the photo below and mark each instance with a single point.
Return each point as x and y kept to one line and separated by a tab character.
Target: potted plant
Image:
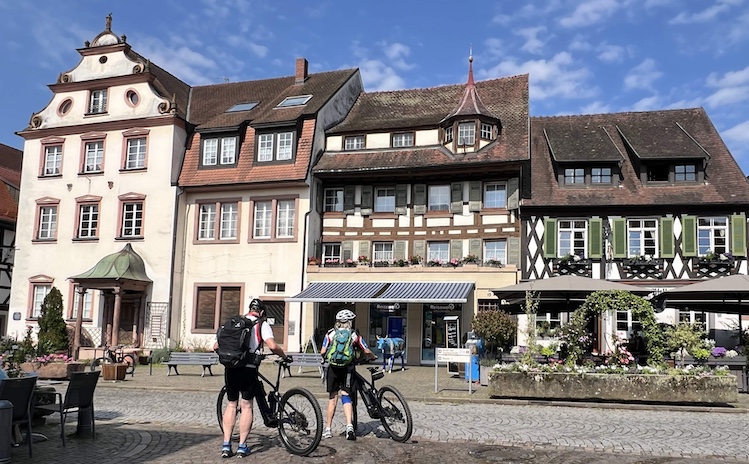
493	263
414	260
471	259
314	261
363	260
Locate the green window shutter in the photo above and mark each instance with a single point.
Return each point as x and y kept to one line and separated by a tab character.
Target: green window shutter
364	246
420	200
619	231
456	197
550	238
595	238
688	236
667	237
399	249
401	198
738	235
513	250
456	249
349	198
366	200
347	249
474	196
420	249
474	247
513	193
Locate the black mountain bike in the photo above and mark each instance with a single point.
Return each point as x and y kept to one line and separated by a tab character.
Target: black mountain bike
386	404
115	354
296	413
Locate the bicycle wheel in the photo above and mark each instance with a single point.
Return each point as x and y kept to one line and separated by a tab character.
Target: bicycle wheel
299	421
396	417
221	404
98	362
129	359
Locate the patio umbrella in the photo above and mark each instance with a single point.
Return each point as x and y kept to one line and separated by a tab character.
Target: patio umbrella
563	289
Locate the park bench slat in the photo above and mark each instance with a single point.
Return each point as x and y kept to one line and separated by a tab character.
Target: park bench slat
181	358
304	360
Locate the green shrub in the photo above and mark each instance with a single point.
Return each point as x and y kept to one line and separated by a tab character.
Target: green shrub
53	332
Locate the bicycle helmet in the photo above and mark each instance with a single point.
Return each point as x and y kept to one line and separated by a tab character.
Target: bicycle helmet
345	315
257	306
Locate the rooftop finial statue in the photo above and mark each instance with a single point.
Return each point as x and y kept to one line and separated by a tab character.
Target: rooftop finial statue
108	26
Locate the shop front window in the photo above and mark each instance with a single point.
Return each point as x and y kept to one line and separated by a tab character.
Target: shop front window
434	331
386	320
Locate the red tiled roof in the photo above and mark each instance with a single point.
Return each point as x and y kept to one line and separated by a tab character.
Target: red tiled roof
648	133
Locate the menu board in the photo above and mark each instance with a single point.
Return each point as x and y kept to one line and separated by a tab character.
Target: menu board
452	339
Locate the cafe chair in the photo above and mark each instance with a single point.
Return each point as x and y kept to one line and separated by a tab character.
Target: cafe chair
20	392
79	397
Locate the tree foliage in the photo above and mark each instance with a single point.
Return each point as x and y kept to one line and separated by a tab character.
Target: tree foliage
685	337
496	327
53	333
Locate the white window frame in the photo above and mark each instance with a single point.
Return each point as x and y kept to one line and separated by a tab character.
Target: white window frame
625	324
449	134
263	216
572	237
403	139
486	131
132	219
275	146
353	142
229	221
39	292
692	317
52	160
88	300
601	175
439	198
712	236
286	214
136	153
574	176
207	221
98	102
495	195
219	150
94	156
553	318
382	252
331	251
438	251
333	201
88	220
642	237
496	250
466	134
47	222
384	199
218	220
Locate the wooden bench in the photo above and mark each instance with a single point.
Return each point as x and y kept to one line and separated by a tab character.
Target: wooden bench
304	360
181	358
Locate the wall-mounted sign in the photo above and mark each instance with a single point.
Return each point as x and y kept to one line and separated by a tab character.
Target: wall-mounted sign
443	306
16	316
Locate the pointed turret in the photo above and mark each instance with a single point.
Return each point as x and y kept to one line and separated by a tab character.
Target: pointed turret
470	103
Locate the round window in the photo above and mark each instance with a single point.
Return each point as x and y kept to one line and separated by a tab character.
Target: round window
102	59
132	97
65	106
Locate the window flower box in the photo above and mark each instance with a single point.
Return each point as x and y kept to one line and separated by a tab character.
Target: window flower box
576	266
715	265
643	267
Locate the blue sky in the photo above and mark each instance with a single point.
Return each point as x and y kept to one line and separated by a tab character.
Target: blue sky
587	56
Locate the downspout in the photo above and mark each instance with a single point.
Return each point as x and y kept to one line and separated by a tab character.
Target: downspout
177	194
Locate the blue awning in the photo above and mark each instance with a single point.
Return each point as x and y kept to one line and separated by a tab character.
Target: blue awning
381	292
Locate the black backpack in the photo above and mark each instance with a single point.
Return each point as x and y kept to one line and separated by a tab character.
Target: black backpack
234	342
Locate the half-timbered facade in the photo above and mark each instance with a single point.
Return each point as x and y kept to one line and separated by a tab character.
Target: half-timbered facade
10	176
651	198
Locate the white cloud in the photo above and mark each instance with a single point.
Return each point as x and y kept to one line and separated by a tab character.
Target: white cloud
706	15
532	43
648	104
727	96
580	43
558	77
183	62
642	76
396	53
611	53
377	76
738	133
494	48
728	79
590	12
596	107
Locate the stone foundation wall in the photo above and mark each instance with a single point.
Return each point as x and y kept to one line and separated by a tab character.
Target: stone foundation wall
615	387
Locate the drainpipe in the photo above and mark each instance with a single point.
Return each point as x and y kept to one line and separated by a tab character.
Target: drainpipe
177	194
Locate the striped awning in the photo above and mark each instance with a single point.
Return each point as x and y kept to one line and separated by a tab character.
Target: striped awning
346	292
427	292
380	292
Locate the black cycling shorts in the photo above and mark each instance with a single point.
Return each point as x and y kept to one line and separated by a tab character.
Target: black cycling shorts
339	378
242	380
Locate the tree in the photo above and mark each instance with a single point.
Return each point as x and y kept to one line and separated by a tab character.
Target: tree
685	337
53	333
496	327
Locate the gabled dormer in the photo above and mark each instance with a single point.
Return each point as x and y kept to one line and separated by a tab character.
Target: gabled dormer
664	153
470	126
583	156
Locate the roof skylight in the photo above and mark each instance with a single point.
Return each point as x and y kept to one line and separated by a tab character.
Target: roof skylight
297	100
242	107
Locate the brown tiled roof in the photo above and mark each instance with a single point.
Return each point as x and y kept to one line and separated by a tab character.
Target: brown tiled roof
581	142
209	103
207	110
425	108
725	182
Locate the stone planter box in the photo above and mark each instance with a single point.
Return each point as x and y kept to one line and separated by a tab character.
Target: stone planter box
615	387
53	370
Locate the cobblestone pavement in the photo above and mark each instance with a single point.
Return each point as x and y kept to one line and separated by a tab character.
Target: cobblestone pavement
172	419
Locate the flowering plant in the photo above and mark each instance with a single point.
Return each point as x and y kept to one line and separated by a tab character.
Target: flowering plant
364	259
731	354
568	258
718	352
54	357
470	258
434	263
332	262
454	262
493	263
620	356
415	259
314	260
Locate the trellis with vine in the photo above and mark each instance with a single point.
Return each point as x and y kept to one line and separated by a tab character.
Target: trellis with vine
577	337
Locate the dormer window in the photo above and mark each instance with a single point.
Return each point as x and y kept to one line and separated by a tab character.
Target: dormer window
658	172
294	101
588	175
405	139
574	176
98	102
486	131
685	173
219	151
600	176
448	134
275	146
354	142
466	133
